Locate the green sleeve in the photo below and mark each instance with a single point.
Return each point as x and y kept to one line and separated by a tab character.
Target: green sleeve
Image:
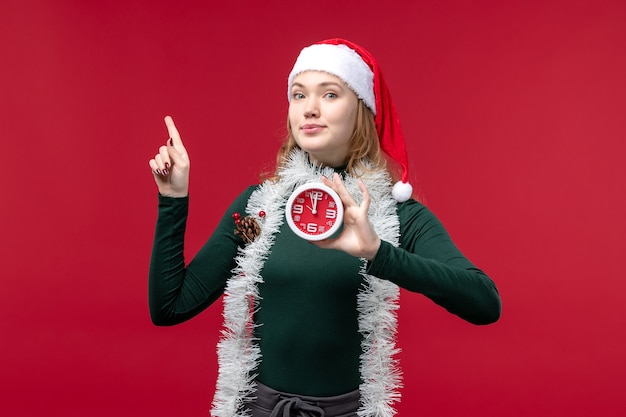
177	292
428	262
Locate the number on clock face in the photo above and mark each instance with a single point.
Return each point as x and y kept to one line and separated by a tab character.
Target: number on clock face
314	211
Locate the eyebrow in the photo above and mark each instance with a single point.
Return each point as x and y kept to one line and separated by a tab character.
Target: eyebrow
323	85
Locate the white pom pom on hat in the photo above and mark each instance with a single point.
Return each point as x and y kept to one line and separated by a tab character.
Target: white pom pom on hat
359	70
402	191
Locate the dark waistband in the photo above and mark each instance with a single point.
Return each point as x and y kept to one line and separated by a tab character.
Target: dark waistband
269	398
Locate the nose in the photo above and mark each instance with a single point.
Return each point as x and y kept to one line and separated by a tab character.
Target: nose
311	108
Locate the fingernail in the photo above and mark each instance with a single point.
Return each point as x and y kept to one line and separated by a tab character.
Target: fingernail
167	165
158	171
171	142
165	172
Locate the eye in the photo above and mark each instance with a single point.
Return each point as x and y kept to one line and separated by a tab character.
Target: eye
298	96
330	95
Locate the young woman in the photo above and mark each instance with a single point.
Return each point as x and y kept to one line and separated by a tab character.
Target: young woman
310	331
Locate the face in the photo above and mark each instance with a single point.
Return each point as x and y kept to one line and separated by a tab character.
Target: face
322	116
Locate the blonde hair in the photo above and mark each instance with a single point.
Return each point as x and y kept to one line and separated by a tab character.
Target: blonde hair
364	146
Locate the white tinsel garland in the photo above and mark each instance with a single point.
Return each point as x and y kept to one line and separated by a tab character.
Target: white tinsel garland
377	302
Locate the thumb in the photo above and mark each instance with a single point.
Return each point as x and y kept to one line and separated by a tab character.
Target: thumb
329	243
178	158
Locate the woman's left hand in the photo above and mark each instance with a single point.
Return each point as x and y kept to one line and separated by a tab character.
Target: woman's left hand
358	237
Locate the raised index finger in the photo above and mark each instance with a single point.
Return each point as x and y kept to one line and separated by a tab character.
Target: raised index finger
173	132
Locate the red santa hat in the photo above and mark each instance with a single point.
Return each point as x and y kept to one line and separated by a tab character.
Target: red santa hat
359	70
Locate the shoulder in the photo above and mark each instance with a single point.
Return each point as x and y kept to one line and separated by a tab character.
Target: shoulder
240	202
416	218
247	192
412	209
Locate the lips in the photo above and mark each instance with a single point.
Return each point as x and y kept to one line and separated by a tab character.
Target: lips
312	128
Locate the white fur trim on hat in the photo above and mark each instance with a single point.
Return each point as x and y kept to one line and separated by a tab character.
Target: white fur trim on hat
340	61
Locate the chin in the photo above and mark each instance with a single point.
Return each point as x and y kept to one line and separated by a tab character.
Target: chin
309	147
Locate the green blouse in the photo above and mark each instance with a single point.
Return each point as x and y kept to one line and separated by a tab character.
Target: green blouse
307	318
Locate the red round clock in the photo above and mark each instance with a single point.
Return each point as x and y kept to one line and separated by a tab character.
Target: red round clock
314	211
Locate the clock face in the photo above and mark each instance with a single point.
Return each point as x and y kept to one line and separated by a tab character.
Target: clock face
314	211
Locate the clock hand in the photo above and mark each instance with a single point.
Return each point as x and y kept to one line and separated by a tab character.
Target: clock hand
314	211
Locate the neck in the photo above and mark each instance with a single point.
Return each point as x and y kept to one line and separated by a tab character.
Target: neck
336	165
332	161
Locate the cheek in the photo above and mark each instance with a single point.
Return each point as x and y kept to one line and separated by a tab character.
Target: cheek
291	115
348	121
293	124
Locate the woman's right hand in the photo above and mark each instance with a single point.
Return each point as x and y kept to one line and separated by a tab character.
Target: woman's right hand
170	166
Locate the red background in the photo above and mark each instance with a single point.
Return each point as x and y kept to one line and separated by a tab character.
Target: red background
514	114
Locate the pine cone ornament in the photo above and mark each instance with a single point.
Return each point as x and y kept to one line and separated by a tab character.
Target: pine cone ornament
247	228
